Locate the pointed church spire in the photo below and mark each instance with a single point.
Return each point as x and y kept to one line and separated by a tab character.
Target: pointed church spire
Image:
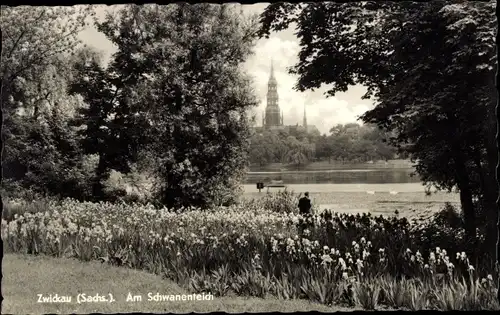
272	69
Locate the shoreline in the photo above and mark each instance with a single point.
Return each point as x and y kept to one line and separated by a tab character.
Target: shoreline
358	170
335	165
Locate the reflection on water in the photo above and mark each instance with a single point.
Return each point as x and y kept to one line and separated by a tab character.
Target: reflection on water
384	176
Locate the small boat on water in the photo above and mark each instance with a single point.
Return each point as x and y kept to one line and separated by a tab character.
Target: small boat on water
276	182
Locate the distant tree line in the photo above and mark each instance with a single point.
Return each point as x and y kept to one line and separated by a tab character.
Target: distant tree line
344	143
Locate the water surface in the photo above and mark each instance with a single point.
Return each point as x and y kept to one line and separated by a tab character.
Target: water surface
364	176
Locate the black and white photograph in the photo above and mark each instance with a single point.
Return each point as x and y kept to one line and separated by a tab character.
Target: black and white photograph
266	157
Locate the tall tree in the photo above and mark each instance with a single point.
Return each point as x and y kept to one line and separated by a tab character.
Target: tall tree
114	127
324	148
184	68
299	152
260	152
36	44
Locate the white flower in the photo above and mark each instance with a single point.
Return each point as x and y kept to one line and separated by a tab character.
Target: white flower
345	276
471	268
489	277
342	264
326	259
359	263
356	248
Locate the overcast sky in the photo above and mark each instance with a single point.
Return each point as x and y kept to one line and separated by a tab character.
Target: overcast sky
283	47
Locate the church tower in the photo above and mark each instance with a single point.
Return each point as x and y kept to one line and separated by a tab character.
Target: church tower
273	116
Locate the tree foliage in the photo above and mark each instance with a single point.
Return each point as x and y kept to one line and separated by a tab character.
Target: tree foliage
181	66
33	41
111	126
36	47
346	143
172	101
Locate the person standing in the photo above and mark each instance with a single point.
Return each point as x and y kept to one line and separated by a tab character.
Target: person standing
305	204
305	208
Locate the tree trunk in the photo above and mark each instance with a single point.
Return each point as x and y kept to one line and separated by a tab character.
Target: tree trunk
482	178
490	210
467	206
100	176
490	205
491	189
494	163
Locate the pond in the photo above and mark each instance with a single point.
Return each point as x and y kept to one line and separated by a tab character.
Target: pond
374	176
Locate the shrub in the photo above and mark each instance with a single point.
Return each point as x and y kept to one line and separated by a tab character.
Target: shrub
134	187
448	216
280	202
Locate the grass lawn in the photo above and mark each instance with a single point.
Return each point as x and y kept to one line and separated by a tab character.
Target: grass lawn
26	276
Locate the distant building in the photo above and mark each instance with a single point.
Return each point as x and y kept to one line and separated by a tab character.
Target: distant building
272	117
